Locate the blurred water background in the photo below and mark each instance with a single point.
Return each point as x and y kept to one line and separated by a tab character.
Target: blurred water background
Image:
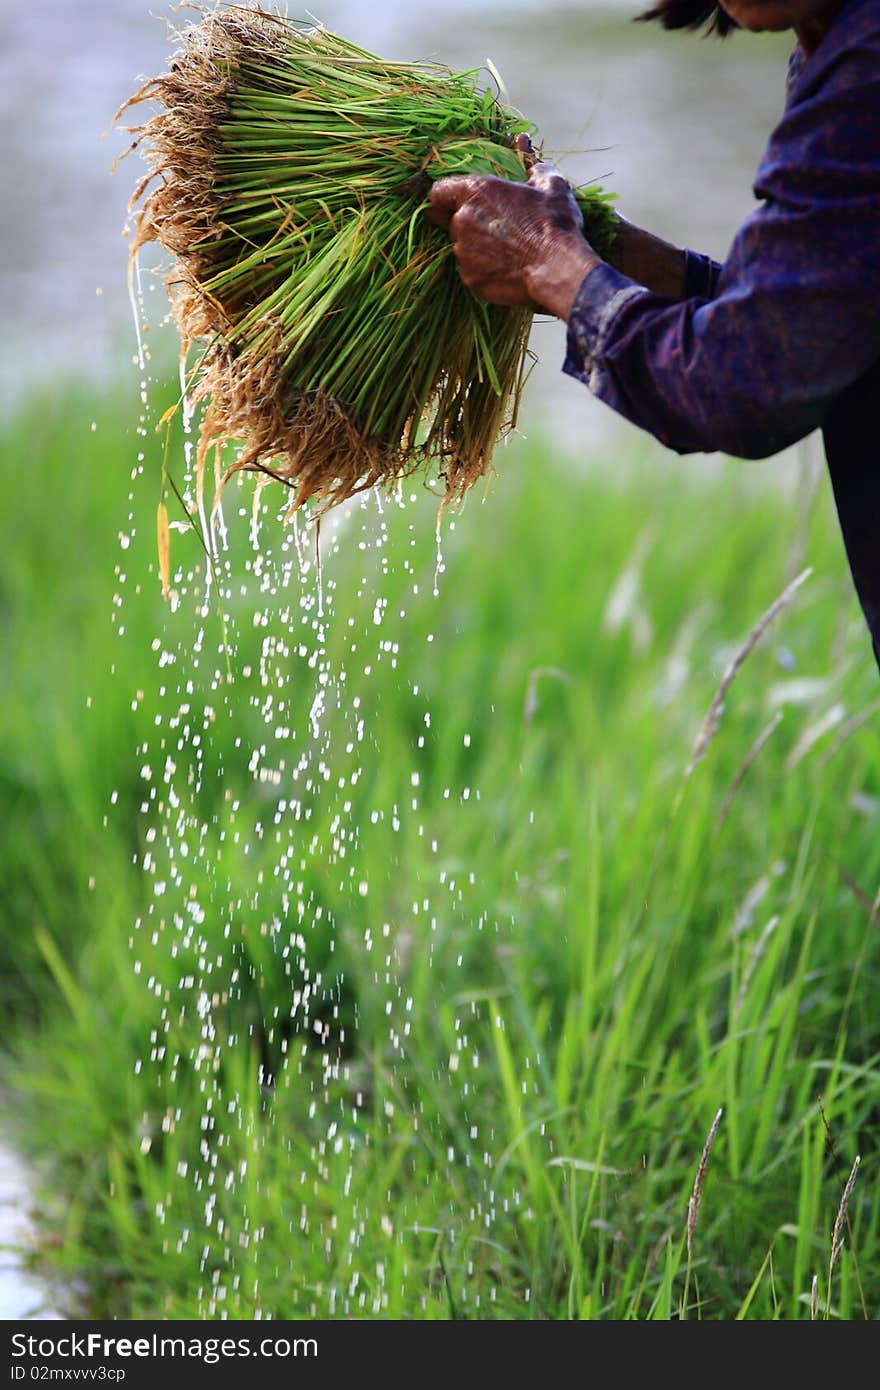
675	124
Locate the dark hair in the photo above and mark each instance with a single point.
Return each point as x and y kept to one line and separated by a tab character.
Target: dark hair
691	14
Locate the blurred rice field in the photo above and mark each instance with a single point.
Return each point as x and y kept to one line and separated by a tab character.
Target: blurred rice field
371	955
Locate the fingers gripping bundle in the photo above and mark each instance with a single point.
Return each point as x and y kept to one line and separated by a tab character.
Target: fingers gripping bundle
334	341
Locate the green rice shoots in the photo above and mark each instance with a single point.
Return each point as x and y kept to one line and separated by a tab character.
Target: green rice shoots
324	325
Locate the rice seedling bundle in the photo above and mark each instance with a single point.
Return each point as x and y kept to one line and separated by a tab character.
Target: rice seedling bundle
333	338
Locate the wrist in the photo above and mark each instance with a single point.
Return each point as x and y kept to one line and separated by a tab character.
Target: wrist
554	281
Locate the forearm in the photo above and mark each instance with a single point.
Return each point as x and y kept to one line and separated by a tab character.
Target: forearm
649	260
725	375
749	371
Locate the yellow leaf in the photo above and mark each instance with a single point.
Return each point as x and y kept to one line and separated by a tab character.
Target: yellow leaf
163	539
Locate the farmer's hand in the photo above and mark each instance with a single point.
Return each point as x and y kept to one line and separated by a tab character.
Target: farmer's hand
516	243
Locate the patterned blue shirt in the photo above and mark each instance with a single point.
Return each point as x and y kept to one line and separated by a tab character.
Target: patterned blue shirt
784	338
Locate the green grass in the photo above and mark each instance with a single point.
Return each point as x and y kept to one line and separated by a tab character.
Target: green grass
445	1048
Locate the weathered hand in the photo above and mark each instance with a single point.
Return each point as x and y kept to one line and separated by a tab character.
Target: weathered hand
515	243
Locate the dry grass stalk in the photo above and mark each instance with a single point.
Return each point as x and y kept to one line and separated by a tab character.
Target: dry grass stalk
851	727
710	724
832	1150
755	750
755	955
869	908
699	1180
693	1210
745	913
812	734
837	1235
530	704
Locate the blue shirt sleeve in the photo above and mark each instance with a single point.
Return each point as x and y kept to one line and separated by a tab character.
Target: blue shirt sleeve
752	358
701	276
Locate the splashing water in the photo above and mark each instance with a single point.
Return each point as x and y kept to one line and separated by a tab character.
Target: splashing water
136	299
298	784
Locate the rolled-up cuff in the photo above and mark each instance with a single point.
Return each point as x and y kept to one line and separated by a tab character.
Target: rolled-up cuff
601	296
700	276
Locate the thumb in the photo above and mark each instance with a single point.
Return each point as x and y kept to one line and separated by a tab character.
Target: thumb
547	178
446	197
